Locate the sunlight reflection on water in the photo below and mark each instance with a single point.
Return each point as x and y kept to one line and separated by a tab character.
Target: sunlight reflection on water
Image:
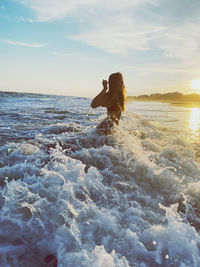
194	119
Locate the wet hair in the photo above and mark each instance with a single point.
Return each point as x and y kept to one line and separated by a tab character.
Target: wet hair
117	90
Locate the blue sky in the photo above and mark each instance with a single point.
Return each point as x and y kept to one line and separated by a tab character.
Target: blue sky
68	46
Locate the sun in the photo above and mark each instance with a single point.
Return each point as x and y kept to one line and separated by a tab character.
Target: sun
195	84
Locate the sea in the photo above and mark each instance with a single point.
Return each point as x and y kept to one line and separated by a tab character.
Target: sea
73	197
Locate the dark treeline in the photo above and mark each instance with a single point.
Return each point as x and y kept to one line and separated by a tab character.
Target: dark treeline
175	96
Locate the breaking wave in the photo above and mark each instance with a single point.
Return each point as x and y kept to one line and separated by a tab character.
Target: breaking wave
71	197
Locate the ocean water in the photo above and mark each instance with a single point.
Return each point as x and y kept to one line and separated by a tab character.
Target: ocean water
71	197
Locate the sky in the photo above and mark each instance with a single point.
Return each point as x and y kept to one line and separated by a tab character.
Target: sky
67	47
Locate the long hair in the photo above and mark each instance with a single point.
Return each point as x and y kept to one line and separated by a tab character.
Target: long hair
117	91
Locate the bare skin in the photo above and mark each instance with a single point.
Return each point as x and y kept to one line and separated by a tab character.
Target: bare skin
98	100
105	84
111	97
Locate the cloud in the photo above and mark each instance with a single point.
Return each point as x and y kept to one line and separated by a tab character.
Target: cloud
111	25
162	69
61	54
181	42
30	20
117	26
179	12
17	43
47	10
119	34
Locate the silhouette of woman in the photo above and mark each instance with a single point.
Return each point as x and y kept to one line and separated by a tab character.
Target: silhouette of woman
113	100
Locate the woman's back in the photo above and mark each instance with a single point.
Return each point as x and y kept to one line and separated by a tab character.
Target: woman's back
114	99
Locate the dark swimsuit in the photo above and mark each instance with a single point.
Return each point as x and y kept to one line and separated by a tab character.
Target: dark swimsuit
114	114
107	126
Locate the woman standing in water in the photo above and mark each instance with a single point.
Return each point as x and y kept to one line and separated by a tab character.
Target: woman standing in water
113	99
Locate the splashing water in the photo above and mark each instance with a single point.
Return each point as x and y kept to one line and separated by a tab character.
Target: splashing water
71	197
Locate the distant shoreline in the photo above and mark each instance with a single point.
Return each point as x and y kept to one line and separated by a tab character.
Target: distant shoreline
175	99
174	103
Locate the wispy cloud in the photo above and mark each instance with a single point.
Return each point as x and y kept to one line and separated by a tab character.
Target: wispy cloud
117	26
181	42
18	43
119	34
107	25
47	10
30	20
62	54
163	69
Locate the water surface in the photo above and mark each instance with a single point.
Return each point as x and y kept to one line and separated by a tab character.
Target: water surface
72	196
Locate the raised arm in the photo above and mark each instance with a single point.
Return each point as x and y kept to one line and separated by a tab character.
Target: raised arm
97	101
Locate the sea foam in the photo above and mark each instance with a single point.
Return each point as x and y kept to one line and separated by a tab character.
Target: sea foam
71	197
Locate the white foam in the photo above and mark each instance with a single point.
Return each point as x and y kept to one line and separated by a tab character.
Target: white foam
98	205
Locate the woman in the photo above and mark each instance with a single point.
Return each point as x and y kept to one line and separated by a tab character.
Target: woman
113	100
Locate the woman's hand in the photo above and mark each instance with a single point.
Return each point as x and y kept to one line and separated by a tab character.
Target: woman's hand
105	84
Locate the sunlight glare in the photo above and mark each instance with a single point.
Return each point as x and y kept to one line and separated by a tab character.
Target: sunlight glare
194	119
195	84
